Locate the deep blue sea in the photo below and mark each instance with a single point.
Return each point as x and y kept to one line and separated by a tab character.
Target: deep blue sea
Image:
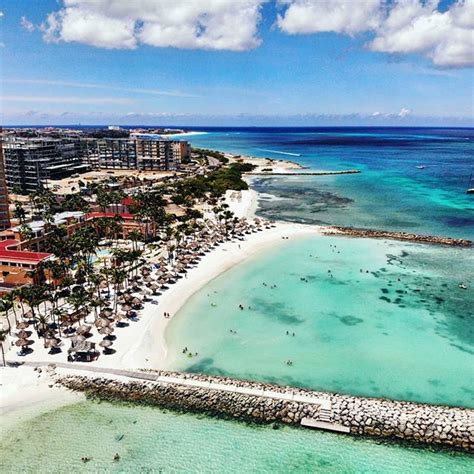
390	193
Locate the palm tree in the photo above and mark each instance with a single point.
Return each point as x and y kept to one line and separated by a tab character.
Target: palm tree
19	294
79	299
118	277
116	227
19	212
135	236
3	337
26	234
103	197
5	305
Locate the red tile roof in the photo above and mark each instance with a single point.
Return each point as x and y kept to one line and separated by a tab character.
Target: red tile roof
20	255
128	201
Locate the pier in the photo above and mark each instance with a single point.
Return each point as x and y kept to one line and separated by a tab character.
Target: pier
385	234
268	403
302	173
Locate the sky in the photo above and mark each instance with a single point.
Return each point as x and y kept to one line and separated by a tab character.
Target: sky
237	62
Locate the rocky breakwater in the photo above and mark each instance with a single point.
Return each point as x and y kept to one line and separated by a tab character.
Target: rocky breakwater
266	403
382	234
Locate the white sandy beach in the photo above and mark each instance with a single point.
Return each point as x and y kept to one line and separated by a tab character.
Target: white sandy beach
25	392
142	344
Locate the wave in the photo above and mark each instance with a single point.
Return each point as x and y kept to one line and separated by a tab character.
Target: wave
280	152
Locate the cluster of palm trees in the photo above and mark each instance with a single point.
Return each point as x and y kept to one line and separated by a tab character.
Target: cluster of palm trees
68	289
74	279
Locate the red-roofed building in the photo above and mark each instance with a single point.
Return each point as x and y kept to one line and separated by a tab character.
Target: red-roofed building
20	258
17	267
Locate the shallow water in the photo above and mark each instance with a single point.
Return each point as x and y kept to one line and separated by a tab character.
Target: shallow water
369	317
152	440
390	193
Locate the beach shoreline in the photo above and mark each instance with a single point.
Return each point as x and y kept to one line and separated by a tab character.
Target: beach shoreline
224	258
142	344
26	392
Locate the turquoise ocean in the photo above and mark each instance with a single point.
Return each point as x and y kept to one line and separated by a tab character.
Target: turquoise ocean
369	317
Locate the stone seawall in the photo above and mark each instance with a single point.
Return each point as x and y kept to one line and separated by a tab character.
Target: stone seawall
382	234
301	173
427	424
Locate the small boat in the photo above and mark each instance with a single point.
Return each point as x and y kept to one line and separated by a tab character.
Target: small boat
421	167
462	286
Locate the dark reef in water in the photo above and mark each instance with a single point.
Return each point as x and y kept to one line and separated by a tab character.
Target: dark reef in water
404	236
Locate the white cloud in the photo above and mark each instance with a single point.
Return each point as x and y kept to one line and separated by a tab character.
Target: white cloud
91	85
447	38
340	16
399	27
27	25
404	112
124	24
65	99
2	14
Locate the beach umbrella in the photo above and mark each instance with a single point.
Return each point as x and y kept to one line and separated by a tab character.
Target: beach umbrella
83	329
101	322
108	312
77	339
106	331
23	342
51	343
22	325
23	334
126	307
136	301
105	343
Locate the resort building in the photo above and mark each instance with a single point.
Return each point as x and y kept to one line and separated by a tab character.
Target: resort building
161	154
30	163
17	266
4	214
34	157
20	256
112	153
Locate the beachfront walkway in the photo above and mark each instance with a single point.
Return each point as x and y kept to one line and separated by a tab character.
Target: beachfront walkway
178	380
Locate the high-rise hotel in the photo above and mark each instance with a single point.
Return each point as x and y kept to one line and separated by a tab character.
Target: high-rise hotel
4	214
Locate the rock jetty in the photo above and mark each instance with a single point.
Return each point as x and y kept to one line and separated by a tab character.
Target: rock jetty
425	424
383	234
300	173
